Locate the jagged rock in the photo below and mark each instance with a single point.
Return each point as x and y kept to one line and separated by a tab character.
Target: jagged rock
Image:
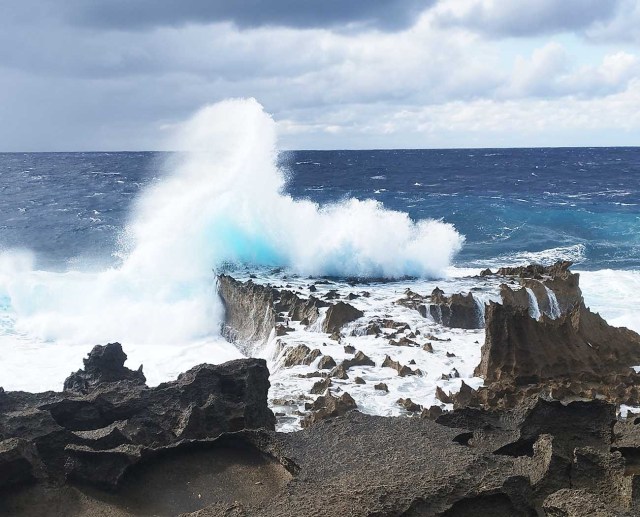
115	415
450	354
104	364
329	406
442	396
339	372
486	272
348	349
359	359
381	387
281	329
464	396
359	380
431	413
249	310
455	311
326	362
427	347
321	386
402	370
336	336
578	343
312	288
332	294
403	341
19	462
577	503
409	405
339	315
296	355
352	296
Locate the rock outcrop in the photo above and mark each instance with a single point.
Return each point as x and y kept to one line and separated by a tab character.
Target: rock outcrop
104	364
250	315
455	311
109	420
579	344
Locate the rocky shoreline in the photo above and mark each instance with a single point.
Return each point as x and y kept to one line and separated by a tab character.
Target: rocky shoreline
540	435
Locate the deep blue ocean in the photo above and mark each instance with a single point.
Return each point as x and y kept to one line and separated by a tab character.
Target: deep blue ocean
580	203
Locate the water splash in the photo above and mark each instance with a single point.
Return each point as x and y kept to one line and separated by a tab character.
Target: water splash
534	309
554	306
221	201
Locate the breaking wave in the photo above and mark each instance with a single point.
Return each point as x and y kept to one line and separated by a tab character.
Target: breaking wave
222	201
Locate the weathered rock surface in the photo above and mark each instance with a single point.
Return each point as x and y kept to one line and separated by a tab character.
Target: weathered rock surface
104	364
249	310
578	344
339	315
455	311
97	429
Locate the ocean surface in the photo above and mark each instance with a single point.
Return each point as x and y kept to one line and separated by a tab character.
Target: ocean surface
98	247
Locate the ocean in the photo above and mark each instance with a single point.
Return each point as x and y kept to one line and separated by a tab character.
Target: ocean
98	247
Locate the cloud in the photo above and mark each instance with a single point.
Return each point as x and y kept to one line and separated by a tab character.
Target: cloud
499	18
388	15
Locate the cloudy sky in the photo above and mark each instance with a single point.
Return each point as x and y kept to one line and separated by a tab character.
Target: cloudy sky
335	74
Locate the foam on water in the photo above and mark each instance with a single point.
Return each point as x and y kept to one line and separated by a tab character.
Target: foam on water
220	202
613	294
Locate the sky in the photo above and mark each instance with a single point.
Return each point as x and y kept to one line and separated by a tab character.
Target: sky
83	75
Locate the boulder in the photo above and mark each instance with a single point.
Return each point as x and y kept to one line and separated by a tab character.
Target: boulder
339	315
326	362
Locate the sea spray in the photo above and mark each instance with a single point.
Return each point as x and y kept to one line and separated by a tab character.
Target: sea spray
221	201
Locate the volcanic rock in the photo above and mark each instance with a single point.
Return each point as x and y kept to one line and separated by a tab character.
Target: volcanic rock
104	364
329	406
576	344
326	362
455	311
339	315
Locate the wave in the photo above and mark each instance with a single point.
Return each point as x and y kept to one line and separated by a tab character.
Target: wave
221	202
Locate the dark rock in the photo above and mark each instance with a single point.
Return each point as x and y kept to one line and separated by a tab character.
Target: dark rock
486	272
321	386
348	349
409	405
455	311
339	372
450	354
19	462
103	364
442	396
331	295
359	380
427	347
381	387
359	359
339	315
579	342
83	435
402	370
329	406
326	362
281	329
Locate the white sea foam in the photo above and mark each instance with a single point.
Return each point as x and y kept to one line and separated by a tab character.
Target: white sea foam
554	306
220	202
613	294
534	309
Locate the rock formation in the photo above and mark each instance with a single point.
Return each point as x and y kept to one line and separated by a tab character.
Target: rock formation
108	421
